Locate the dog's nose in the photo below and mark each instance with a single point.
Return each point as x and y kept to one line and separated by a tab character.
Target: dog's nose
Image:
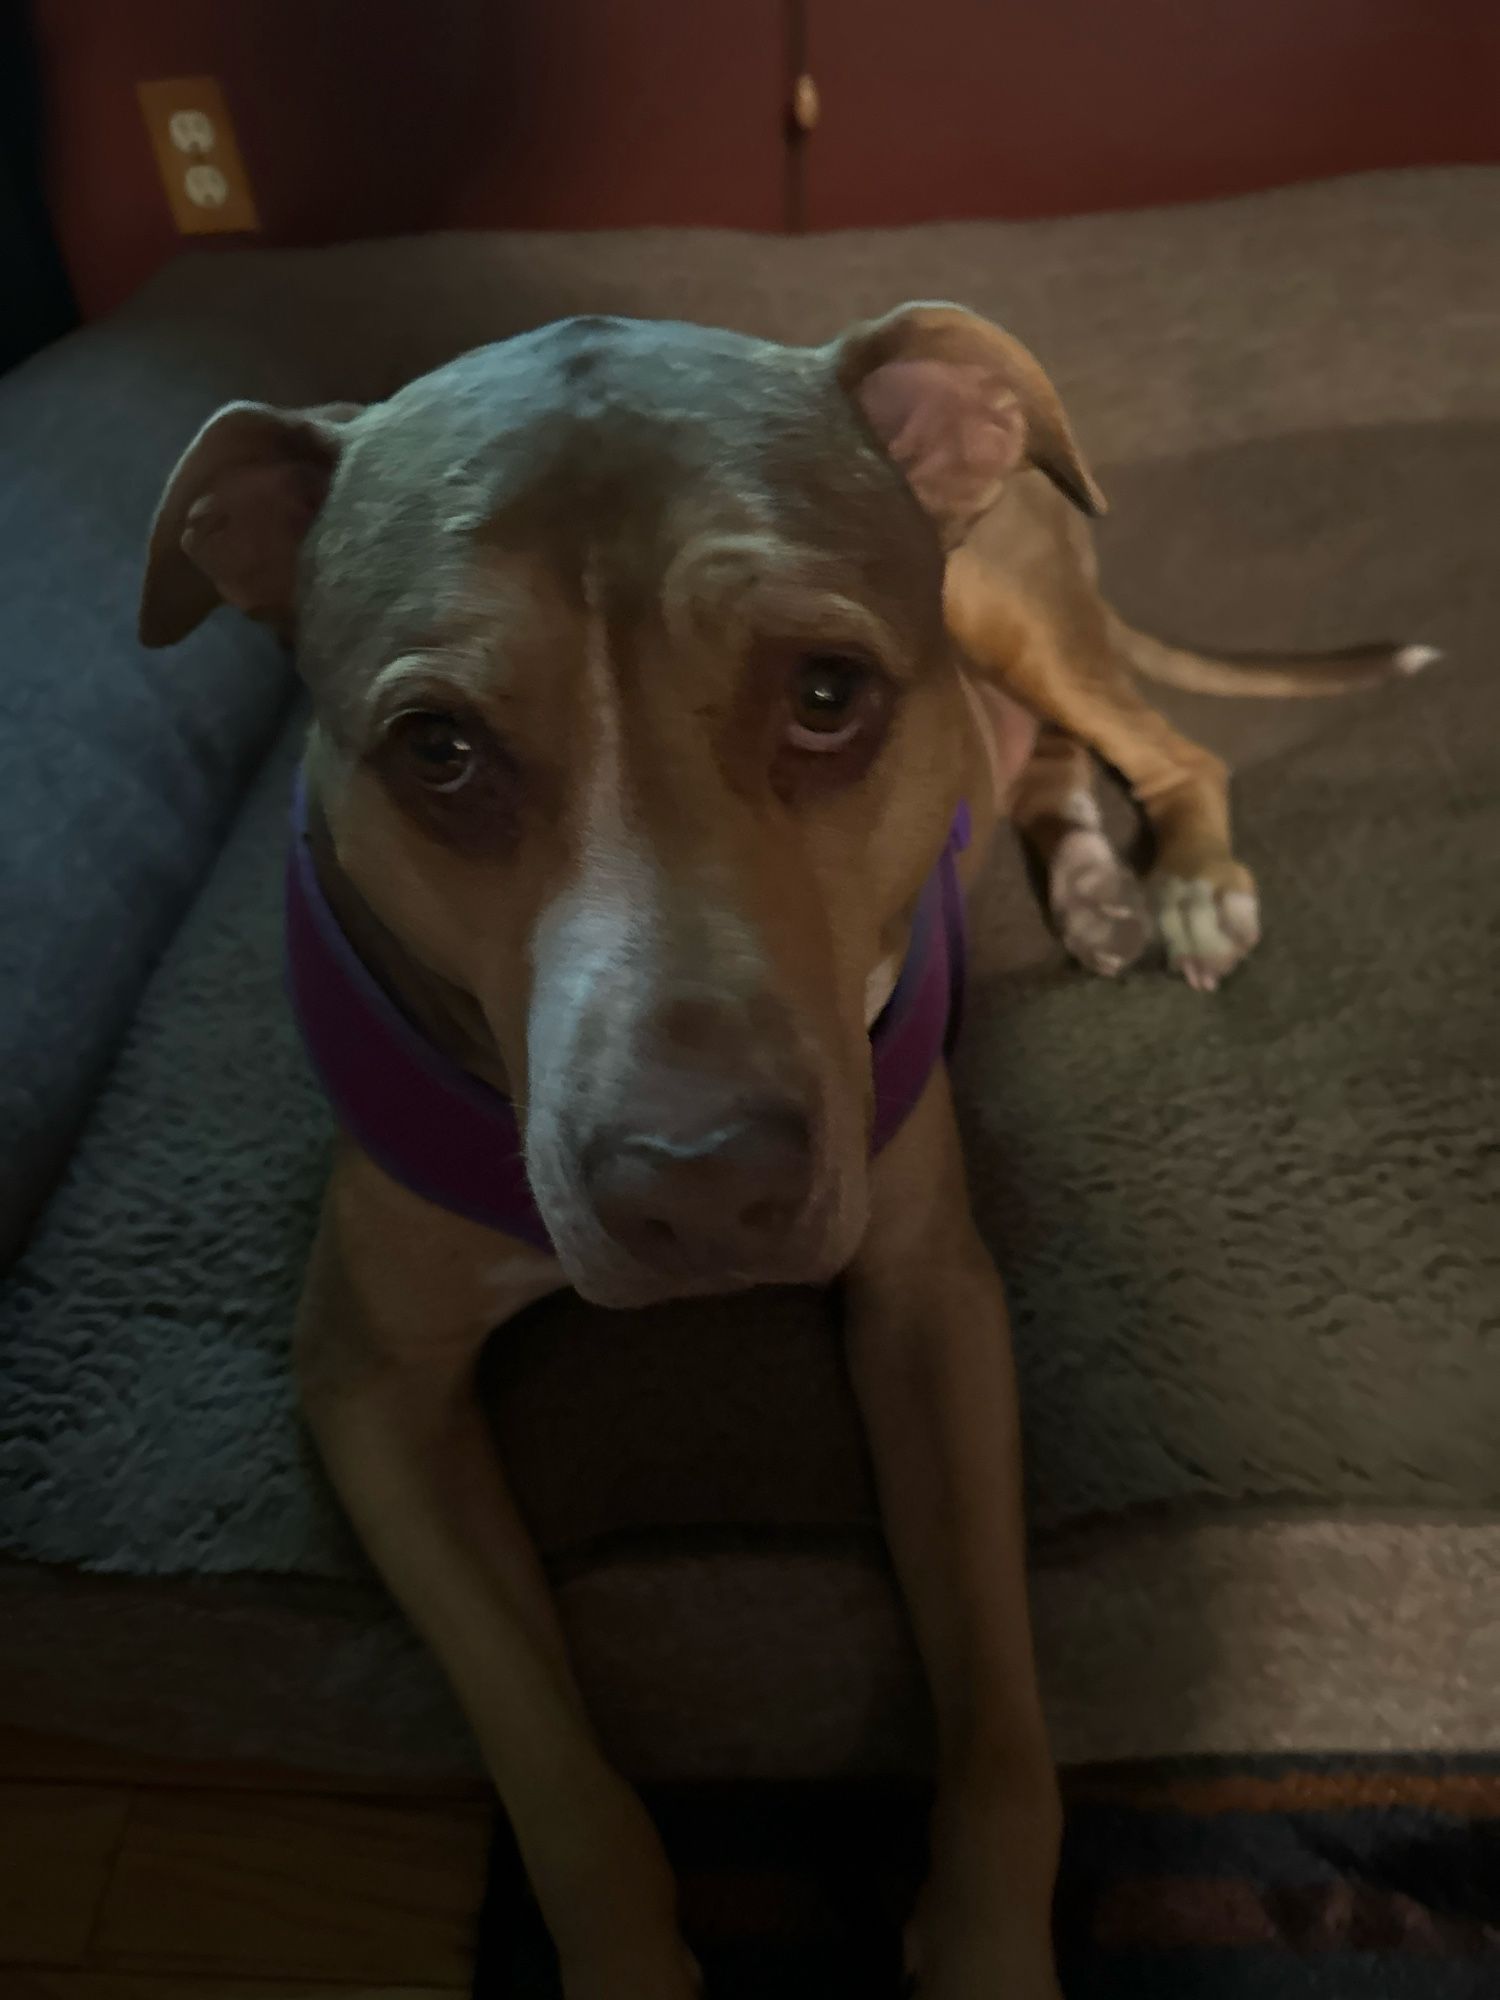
725	1191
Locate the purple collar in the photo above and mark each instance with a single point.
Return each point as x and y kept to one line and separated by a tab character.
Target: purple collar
454	1141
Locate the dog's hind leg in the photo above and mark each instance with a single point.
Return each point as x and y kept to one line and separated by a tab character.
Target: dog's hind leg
1093	896
1048	642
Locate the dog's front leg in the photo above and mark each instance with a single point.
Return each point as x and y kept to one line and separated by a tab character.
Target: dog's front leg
399	1301
929	1354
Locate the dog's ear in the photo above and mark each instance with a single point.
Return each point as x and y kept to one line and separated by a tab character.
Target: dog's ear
959	405
233	516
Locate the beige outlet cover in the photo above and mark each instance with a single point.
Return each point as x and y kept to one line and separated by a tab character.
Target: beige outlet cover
198	155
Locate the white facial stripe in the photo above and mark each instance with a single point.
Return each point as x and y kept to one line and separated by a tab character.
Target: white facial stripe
601	957
615	942
594	931
604	816
592	938
612	924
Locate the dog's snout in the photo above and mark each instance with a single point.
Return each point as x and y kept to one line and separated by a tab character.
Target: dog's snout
724	1190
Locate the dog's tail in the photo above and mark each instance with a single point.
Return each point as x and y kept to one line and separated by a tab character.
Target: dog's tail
1266	674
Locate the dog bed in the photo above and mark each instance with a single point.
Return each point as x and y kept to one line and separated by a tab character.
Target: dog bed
1250	1241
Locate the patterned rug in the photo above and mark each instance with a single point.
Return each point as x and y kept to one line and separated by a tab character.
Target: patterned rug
1264	1881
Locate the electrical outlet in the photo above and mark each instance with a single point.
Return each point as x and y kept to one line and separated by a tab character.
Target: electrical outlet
198	155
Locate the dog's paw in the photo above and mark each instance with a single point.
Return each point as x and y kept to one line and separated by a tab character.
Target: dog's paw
679	1977
979	1964
1208	925
1097	903
981	1926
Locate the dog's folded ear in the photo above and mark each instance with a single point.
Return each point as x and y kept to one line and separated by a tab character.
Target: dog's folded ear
230	524
959	405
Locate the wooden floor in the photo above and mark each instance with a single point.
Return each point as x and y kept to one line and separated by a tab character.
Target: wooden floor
124	1880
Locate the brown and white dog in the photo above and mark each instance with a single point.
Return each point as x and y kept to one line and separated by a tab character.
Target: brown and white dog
650	664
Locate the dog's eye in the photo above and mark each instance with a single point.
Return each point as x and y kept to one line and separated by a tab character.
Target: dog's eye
829	701
440	749
449	770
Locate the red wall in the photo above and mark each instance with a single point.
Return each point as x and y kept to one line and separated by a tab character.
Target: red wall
1044	107
361	117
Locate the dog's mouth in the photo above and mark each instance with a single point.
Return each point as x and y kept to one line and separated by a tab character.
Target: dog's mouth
623	1285
661	1265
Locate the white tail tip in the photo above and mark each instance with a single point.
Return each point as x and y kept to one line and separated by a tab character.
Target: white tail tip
1412	659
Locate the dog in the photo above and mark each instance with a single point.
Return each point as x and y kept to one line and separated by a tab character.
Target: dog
668	685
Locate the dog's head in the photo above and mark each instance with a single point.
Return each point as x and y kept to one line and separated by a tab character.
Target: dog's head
638	727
